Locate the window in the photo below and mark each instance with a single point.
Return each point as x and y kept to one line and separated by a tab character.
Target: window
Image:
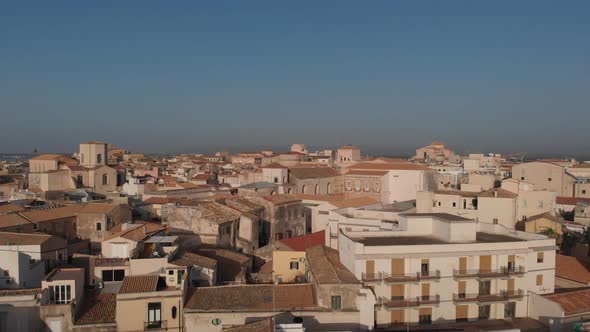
348	185
276	180
35	226
113	275
540	204
522	178
357	185
376	186
484	312
174	311
324	212
99	158
98	226
540	257
425	316
425	267
549	179
294	266
367	185
154	315
438	203
583	191
495	221
60	294
539	280
336	302
105	179
216	321
454	204
171	272
80	180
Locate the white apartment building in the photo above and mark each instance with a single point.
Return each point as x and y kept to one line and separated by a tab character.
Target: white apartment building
440	268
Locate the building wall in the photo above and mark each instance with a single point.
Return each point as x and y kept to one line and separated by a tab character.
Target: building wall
502	209
19	313
531	203
545	176
281	265
132	309
89	154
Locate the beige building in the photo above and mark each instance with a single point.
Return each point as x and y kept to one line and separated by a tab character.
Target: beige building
546	176
348	154
388	182
435	152
144	302
443	268
288	266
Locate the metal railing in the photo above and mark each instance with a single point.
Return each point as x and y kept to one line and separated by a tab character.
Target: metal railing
155	325
486	298
409	302
494	273
395	278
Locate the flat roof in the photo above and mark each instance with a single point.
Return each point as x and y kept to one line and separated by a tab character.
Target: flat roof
480	237
441	216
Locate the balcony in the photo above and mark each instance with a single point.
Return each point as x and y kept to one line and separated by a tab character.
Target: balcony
399	278
408	302
155	325
503	272
488	298
372	277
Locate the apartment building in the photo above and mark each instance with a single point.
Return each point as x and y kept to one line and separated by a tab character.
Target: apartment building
438	267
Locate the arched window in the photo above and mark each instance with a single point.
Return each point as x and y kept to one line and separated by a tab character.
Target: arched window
289	191
317	189
303	189
105	179
329	188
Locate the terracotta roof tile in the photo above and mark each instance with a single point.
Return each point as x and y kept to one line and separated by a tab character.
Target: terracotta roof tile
7	238
390	166
98	309
365	172
139	284
12	219
325	265
572	302
571	200
20	292
252	298
191	259
313	172
571	268
301	243
9	208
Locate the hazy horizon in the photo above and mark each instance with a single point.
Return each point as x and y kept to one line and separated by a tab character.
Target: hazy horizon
387	76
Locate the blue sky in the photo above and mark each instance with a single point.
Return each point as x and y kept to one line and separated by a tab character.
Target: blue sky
389	76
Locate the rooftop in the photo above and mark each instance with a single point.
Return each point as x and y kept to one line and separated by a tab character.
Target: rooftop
441	216
252	298
65	274
191	259
281	199
481	237
20	292
571	268
264	325
301	243
326	267
313	172
98	308
406	166
139	284
7	238
572	303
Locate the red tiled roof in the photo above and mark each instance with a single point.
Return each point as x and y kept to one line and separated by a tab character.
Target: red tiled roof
571	200
390	166
98	309
301	243
572	302
571	268
274	165
139	284
20	292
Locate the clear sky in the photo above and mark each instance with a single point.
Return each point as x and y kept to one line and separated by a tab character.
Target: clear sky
388	76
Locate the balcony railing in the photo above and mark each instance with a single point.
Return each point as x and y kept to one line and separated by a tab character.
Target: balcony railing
155	325
503	272
400	278
487	298
408	302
